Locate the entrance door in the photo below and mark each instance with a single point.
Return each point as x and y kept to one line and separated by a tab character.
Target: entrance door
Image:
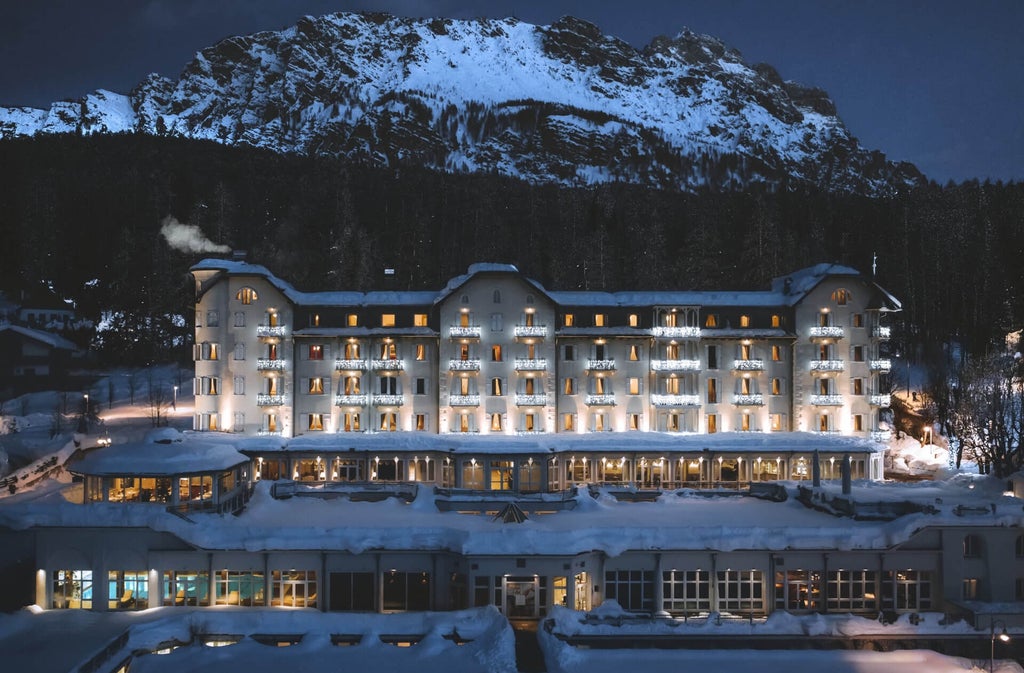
520	597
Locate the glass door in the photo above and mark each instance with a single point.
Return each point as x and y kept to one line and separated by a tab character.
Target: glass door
520	597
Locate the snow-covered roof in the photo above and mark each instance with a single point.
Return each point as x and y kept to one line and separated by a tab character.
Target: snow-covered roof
159	458
48	338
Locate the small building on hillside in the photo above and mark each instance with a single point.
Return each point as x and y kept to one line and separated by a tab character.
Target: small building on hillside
33	359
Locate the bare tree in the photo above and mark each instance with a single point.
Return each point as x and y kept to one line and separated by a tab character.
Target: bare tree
133	385
58	421
159	402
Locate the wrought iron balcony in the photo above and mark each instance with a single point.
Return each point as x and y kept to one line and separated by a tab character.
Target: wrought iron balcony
748	365
468	332
753	400
531	400
676	332
350	365
675	400
601	365
880	332
827	365
881	435
827	332
884	401
530	364
387	365
388	400
356	400
464	365
880	365
266	364
265	400
270	330
600	400
464	400
536	331
827	400
675	365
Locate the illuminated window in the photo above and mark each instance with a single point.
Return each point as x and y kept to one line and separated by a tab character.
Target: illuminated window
744	321
314	320
316	386
672	386
496	353
214	351
634	421
214	386
777	353
711	320
823	423
496	388
495	422
352	385
352	320
351	422
776	386
352	351
672	422
569	422
857	320
529	422
857	386
389	422
316	352
570	386
316	421
464	386
634	320
712	391
420	320
387	320
421	352
745	351
599	422
746	387
634	386
841	296
246	295
776	320
600	320
569	320
858	423
712	423
745	422
388	351
776	422
634	353
421	421
271	422
600	388
464	319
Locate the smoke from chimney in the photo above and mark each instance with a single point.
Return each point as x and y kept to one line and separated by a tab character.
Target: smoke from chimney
188	237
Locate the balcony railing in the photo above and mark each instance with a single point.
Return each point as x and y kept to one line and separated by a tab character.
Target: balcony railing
349	365
464	365
748	365
675	365
881	435
268	433
880	332
827	332
601	365
827	400
600	400
675	400
265	400
387	365
530	364
676	332
827	365
884	401
464	400
356	400
538	331
880	365
266	364
469	332
388	400
753	400
270	330
531	400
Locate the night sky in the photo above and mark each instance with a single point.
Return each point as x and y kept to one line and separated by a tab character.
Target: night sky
939	83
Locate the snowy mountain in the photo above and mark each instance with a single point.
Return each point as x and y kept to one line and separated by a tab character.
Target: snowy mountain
561	103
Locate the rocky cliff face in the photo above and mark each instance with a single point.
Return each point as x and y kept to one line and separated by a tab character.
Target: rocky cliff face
561	103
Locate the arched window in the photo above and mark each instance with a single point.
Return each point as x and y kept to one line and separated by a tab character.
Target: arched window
246	295
972	546
841	296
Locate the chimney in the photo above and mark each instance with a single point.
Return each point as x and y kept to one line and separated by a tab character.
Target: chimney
238	255
390	281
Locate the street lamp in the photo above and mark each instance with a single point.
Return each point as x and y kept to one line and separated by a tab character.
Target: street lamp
1003	636
174	400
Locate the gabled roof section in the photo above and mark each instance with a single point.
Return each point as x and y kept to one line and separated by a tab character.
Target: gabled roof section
48	338
486	268
797	284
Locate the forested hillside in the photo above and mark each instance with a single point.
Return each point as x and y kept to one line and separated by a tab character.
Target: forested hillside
77	210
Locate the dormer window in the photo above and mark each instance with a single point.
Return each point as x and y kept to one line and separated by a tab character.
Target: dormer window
744	321
569	320
841	295
711	320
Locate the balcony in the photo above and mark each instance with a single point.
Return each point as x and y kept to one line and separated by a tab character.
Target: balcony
675	400
601	365
356	400
388	400
464	400
881	435
880	365
600	400
268	433
675	365
265	400
530	364
748	365
268	365
827	332
880	332
350	365
531	400
270	330
753	400
387	365
530	331
884	401
676	332
827	365
827	400
469	332
464	365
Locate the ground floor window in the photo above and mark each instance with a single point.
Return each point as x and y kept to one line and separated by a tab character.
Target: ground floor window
741	591
293	588
127	589
406	591
347	470
272	469
184	588
687	591
797	590
72	589
852	590
352	592
907	590
235	587
633	589
529	477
